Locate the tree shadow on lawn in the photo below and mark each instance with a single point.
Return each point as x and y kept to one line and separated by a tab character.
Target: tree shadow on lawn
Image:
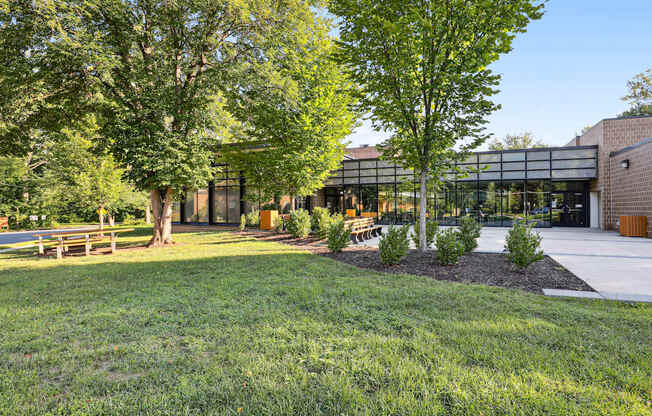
306	302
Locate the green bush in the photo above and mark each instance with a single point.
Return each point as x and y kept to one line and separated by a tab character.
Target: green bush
243	222
253	218
320	222
299	223
449	247
394	245
469	233
338	235
523	245
431	231
271	206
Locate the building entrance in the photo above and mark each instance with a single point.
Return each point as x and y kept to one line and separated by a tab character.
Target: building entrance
569	209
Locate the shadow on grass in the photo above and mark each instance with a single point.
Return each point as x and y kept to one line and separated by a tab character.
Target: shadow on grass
347	333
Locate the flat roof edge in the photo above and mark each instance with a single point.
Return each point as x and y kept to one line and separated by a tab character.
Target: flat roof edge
630	148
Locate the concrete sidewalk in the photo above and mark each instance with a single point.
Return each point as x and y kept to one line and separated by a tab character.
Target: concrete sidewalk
617	267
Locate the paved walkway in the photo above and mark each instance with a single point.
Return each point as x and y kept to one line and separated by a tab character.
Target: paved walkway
22	236
617	267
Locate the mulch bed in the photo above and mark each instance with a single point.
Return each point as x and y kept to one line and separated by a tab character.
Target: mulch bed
491	269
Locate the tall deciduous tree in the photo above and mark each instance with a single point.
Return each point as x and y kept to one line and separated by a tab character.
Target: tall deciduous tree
639	95
525	140
157	66
422	66
291	136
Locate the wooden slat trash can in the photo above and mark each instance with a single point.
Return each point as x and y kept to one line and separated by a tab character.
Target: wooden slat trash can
633	225
268	218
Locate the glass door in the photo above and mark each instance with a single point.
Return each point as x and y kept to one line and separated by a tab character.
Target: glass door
568	209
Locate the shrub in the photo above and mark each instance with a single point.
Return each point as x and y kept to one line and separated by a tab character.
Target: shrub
271	206
394	245
278	224
299	223
243	222
338	235
431	231
321	220
253	218
449	247
523	245
469	233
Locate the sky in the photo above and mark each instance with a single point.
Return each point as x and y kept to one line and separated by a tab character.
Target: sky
568	71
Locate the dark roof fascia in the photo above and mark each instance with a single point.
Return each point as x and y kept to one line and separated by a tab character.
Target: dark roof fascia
632	147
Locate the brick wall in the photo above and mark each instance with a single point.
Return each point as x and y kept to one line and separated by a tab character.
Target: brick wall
632	188
612	135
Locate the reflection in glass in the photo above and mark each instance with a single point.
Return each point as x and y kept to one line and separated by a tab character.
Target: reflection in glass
233	200
386	204
467	199
489	203
219	209
513	202
404	202
445	199
368	201
538	202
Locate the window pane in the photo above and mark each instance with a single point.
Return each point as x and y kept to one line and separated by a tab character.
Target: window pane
538	203
202	205
514	175
189	208
386	201
573	164
233	212
489	203
176	211
404	202
545	155
446	207
574	154
385	164
367	164
386	171
403	171
351	198
538	165
369	201
467	200
351	164
385	179
369	179
472	158
488	167
351	180
513	200
574	173
490	176
489	157
219	209
368	172
513	156
514	166
350	173
538	174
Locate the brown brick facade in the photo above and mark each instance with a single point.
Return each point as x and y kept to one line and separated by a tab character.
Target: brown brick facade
632	187
629	195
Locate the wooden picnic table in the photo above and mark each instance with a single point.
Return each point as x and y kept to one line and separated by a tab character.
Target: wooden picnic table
62	241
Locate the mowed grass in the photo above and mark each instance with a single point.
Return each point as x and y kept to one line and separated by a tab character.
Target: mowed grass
220	324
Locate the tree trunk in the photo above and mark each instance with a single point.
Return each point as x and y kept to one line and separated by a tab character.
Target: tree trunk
111	220
100	214
162	213
422	215
148	216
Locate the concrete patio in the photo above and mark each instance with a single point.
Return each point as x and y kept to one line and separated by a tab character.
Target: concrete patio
617	267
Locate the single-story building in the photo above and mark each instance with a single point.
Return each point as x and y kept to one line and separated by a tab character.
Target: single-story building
590	182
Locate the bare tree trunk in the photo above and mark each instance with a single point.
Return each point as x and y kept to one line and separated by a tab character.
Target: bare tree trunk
148	215
162	213
422	215
111	220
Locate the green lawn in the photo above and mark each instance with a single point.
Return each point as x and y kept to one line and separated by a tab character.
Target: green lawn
220	324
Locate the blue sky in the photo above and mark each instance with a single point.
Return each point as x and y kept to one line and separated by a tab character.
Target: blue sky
569	70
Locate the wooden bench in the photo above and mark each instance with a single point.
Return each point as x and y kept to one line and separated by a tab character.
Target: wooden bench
63	241
4	223
363	229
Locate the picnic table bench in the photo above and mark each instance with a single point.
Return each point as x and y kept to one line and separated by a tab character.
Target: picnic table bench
4	223
363	229
63	241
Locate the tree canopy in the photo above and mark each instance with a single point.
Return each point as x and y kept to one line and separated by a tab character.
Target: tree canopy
423	70
152	71
525	140
639	95
291	136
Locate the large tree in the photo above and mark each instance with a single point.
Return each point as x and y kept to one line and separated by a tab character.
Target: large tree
639	96
291	137
155	68
422	66
525	140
